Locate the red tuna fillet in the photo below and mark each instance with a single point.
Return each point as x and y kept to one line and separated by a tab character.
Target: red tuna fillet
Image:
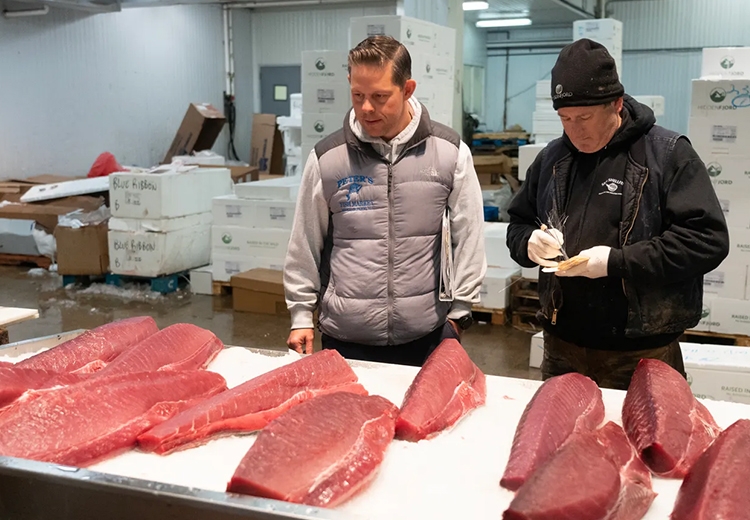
255	403
321	452
94	348
447	387
715	488
561	406
595	475
664	421
81	424
182	346
15	381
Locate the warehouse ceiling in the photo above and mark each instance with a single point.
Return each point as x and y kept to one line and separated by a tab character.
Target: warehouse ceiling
541	12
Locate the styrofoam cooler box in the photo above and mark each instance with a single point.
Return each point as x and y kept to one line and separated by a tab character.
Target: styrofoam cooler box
148	254
416	35
655	103
164	225
223	267
250	242
714	136
167	195
307	148
727	281
726	62
326	98
718	372
736	210
283	188
291	132
295	105
526	155
730	316
600	28
324	66
201	280
446	41
428	68
497	252
494	293
544	89
545	138
231	210
530	273
727	99
730	173
536	352
317	126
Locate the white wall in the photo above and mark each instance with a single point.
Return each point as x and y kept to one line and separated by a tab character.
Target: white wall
74	85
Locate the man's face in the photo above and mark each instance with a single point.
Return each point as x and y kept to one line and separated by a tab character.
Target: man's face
379	105
591	128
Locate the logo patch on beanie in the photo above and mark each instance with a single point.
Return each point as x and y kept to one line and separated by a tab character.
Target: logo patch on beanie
559	92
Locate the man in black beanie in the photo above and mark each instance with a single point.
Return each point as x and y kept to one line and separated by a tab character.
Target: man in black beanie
639	206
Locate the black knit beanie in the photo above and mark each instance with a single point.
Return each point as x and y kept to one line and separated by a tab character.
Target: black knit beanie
584	75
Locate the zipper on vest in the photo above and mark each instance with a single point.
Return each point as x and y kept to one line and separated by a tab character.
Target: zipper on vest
390	253
632	222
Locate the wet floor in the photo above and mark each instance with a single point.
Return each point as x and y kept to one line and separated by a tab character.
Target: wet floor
497	350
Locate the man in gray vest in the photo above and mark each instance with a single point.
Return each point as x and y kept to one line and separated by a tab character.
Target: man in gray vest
378	200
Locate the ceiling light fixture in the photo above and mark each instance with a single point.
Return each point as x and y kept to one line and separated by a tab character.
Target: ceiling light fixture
504	22
475	6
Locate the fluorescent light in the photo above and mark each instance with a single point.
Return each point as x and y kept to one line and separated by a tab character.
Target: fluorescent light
504	22
476	6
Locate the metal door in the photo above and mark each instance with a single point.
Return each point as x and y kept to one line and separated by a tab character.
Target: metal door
276	85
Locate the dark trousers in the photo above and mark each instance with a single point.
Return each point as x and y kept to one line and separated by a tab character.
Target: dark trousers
609	369
413	353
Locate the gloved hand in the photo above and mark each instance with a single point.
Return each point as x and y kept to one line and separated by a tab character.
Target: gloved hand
542	247
596	267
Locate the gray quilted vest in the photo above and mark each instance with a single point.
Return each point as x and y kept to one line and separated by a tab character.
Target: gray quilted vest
380	267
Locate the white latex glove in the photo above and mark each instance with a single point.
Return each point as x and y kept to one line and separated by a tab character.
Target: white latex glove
542	246
596	267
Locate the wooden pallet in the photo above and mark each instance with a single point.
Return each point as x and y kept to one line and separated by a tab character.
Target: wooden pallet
39	261
221	288
526	321
737	340
493	316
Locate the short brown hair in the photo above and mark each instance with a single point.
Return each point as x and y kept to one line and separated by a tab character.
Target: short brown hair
378	51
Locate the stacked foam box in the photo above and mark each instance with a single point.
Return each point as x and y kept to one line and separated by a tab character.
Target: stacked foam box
433	53
251	229
291	131
161	222
546	124
501	269
606	31
326	97
720	132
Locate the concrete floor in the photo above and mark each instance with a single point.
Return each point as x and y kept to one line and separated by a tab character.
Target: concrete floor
496	349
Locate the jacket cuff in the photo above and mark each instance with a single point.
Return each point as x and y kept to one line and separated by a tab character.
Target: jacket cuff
616	264
459	309
302	319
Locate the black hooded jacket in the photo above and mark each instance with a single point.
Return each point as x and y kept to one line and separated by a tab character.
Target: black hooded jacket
648	196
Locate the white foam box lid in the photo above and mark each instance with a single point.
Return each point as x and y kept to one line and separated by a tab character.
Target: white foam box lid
726	62
230	210
526	155
249	242
201	280
148	254
163	225
721	100
325	65
495	293
223	267
536	351
283	188
167	195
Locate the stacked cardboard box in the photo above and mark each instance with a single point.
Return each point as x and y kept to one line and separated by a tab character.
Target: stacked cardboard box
260	291
161	220
433	53
251	229
720	132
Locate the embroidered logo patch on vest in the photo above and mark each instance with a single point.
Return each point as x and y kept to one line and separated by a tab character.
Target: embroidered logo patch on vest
353	186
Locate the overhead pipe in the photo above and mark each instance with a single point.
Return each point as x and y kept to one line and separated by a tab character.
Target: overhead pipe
290	3
26	12
529	44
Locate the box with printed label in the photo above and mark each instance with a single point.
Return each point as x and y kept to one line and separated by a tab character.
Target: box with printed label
713	136
727	281
446	42
231	210
325	66
730	174
223	267
416	35
718	372
726	62
316	126
167	195
281	188
437	71
243	241
144	253
601	28
736	209
727	101
536	353
730	316
494	293
326	98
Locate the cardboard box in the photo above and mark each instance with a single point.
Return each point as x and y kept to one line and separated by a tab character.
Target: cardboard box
316	126
82	251
536	352
266	145
725	99
526	156
45	213
497	252
199	130
224	266
281	188
726	62
17	237
325	66
259	290
249	242
326	98
167	195
231	210
149	254
718	372
499	164
416	35
494	293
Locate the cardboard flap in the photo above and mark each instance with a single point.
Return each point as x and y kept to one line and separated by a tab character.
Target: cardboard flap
260	280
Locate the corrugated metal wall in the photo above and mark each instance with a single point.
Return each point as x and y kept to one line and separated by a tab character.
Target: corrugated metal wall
75	84
662	41
475	45
243	81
